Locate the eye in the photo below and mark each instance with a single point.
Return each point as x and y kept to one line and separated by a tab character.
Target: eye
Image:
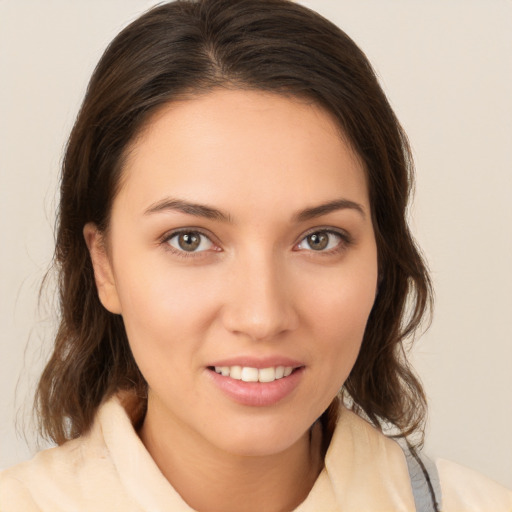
321	241
190	241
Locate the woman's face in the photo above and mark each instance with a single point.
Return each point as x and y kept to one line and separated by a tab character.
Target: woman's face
240	249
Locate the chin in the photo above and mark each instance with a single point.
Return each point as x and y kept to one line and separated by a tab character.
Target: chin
259	437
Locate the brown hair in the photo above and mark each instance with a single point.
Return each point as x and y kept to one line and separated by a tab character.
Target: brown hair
188	47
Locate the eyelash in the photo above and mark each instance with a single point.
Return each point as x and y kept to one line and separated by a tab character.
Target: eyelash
165	241
345	241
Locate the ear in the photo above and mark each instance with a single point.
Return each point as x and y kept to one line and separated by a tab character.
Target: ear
103	272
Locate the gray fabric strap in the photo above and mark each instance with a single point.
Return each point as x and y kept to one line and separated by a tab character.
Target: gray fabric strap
424	480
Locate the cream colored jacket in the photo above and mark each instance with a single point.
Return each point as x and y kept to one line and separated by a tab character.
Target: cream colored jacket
110	470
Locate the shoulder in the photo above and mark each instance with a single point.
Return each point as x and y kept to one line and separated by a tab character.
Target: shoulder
465	490
21	485
14	495
364	456
59	478
51	480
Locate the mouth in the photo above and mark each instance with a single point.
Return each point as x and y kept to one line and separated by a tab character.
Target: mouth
250	374
257	387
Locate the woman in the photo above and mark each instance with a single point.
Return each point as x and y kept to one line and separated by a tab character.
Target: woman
234	262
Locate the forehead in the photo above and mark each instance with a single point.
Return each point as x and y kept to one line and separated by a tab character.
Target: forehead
230	145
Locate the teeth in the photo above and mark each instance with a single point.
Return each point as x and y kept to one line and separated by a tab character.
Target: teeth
267	375
235	372
248	374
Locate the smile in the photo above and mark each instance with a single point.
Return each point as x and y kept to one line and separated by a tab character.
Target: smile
249	374
256	387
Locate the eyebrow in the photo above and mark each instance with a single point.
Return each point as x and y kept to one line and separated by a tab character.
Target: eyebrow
208	212
329	207
198	210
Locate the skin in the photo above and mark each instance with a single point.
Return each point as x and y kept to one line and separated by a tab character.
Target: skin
255	287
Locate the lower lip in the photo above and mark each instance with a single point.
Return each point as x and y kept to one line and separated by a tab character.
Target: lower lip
257	394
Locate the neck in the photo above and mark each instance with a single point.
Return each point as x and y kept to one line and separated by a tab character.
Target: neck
231	482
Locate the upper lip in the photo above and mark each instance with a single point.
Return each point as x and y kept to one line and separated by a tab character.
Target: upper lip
258	362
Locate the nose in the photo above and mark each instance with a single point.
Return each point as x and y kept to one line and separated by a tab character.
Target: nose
260	299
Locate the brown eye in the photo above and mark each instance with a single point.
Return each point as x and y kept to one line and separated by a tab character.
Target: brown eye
318	241
190	241
321	241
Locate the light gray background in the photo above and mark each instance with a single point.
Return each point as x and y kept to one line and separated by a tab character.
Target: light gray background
446	67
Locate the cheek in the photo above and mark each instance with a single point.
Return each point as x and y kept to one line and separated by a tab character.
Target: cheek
341	299
338	314
164	310
349	310
336	321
